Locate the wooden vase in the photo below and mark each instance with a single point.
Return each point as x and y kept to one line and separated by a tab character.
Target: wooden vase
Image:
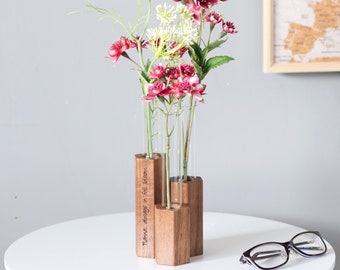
148	188
172	235
192	195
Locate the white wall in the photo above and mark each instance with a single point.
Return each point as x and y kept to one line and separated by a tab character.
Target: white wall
70	123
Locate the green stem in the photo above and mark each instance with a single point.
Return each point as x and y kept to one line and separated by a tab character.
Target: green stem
168	132
139	42
149	130
188	134
167	167
201	28
212	26
149	108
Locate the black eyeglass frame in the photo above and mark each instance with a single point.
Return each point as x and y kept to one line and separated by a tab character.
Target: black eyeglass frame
246	258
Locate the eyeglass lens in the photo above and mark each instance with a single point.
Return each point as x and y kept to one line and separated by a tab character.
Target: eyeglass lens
272	255
309	244
269	255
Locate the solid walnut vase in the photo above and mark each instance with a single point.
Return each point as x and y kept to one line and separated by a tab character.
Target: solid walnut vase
148	188
172	235
192	195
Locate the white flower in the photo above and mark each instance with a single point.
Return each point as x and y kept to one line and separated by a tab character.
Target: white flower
183	11
162	34
151	33
187	31
176	27
166	14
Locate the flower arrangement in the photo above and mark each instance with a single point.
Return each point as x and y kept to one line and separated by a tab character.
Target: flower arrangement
180	46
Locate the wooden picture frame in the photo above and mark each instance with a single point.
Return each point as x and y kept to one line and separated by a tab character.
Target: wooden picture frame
293	36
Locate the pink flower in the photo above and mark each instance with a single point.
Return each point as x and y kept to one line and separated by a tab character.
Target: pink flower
157	71
190	86
185	86
179	52
173	73
213	17
229	28
125	43
202	3
206	3
168	91
118	48
154	90
115	51
134	44
198	92
187	70
194	80
177	82
175	89
195	9
121	46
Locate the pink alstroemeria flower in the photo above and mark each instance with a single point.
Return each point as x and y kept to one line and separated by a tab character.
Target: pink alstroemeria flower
195	10
198	92
179	52
206	3
214	18
157	71
196	6
177	81
175	90
187	70
229	28
118	48
191	87
134	44
187	1
173	73
154	90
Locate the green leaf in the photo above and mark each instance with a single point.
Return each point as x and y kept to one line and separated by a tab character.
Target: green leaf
198	57
96	9
145	76
199	71
217	43
197	54
215	62
144	73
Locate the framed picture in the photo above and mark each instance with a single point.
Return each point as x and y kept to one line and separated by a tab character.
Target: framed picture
301	36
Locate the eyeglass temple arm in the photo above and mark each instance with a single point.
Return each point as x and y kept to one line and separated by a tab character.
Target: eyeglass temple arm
243	259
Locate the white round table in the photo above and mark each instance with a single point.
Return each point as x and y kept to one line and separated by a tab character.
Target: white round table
108	243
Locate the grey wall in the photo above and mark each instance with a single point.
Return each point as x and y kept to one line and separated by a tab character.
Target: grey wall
70	123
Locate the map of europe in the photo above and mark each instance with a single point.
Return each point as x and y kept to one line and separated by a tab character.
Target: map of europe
306	31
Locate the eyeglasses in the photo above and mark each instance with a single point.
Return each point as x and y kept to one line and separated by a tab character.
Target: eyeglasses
271	255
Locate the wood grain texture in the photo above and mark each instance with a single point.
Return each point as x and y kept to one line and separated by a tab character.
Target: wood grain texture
192	195
148	188
172	235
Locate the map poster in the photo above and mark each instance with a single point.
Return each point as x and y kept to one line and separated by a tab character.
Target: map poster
301	35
